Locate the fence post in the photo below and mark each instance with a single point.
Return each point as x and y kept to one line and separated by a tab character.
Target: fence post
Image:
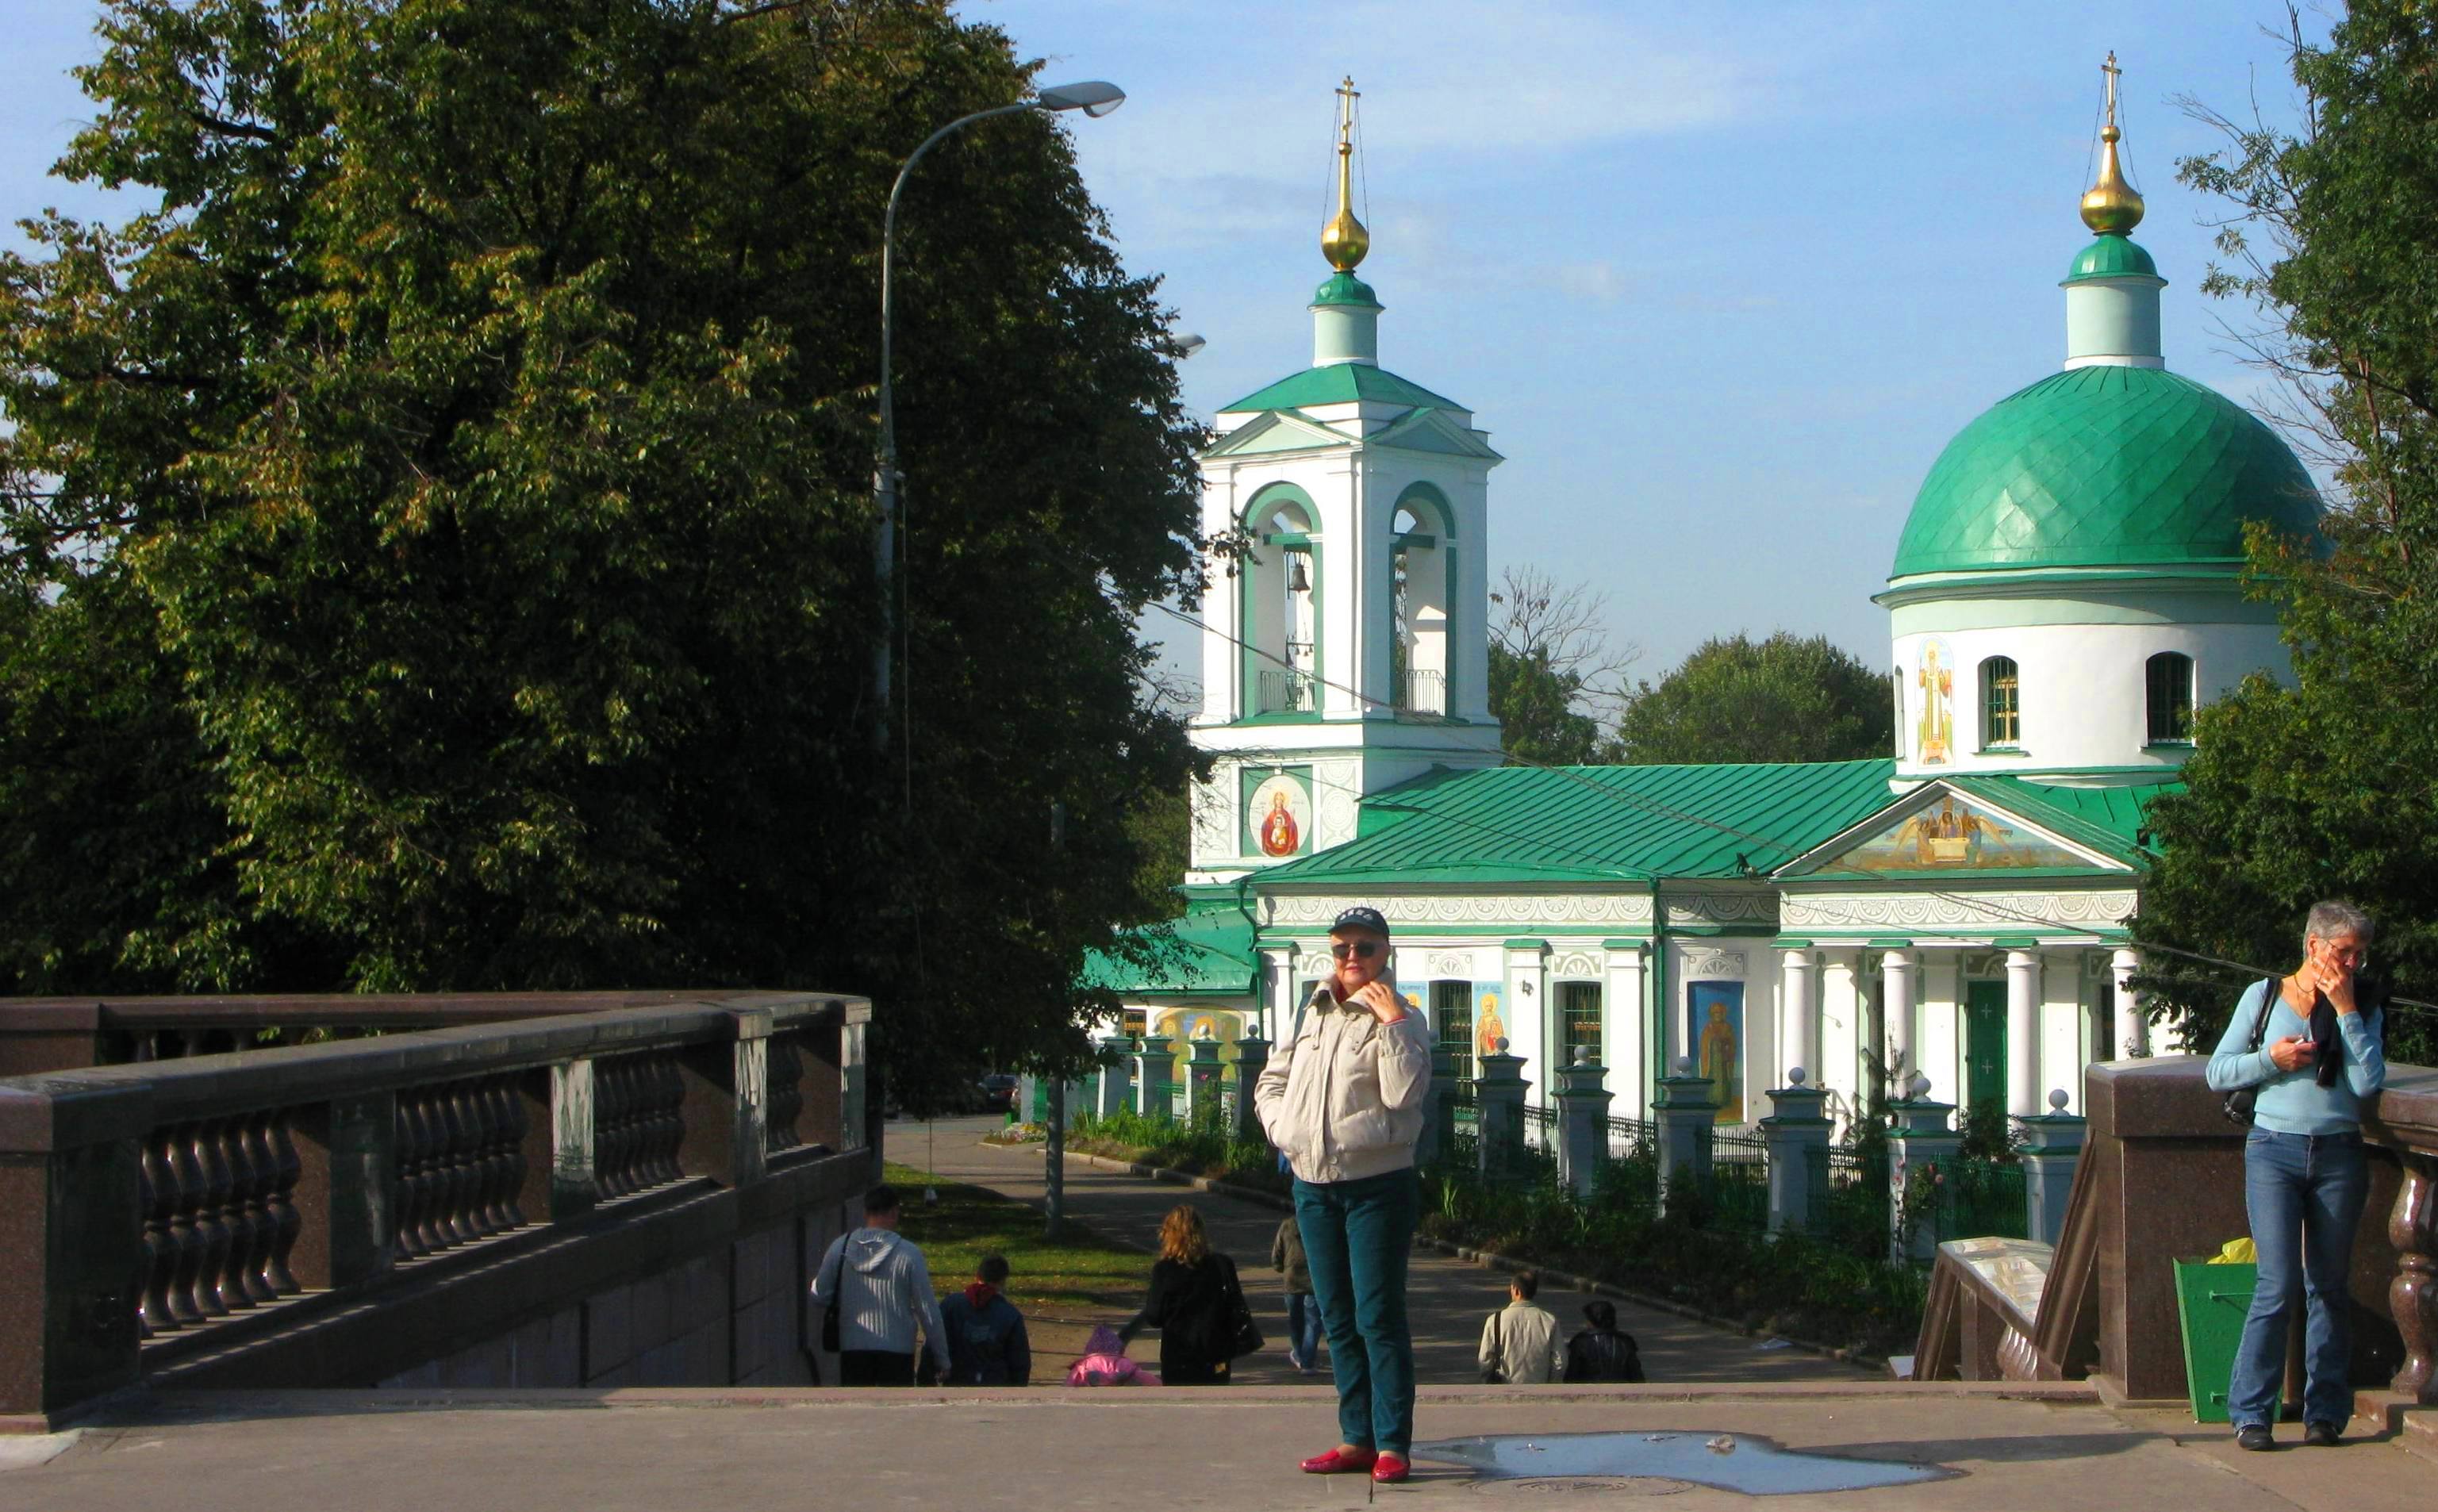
1253	1054
1154	1070
2054	1143
1686	1118
1498	1102
1795	1130
1439	1109
71	1224
1923	1141
1202	1078
1582	1121
1116	1076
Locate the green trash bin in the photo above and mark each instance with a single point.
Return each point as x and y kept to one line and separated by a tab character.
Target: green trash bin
2212	1301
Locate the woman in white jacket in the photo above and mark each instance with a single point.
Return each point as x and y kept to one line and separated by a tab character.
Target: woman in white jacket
1343	1102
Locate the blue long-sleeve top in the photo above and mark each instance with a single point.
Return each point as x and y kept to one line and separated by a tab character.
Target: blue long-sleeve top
2293	1102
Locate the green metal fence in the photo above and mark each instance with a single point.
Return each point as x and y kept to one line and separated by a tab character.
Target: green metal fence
1980	1199
1738	1187
1849	1198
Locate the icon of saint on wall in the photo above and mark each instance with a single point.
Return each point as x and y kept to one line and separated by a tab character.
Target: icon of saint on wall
1278	816
1493	1028
1938	727
1279	836
1720	1061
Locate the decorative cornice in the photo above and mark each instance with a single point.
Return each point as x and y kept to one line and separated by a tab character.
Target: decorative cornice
1515	911
1575	963
2009	912
1714	965
1723	907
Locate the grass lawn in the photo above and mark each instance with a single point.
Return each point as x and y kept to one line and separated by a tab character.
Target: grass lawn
1081	1280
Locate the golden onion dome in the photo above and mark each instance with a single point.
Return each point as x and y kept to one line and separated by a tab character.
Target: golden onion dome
2111	207
1343	240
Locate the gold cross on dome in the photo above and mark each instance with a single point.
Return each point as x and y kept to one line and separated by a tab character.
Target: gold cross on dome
1347	96
2111	69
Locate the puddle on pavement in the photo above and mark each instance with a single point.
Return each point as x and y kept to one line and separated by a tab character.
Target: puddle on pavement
1730	1462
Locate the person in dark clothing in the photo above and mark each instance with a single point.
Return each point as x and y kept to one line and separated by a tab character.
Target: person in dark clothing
987	1346
1192	1303
1303	1312
1601	1353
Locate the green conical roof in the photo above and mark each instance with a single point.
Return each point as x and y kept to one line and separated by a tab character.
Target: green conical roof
2103	466
2112	257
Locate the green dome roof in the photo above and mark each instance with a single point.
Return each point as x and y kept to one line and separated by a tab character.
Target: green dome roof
2111	257
1345	288
2103	466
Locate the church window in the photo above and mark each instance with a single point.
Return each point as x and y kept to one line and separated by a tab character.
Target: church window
2170	685
2002	721
1578	1019
1131	1023
1452	1024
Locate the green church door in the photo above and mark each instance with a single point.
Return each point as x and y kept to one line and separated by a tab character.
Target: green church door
1985	1045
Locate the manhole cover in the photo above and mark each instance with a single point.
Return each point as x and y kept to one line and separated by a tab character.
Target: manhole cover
1582	1485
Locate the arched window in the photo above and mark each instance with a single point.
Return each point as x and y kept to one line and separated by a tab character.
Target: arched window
2169	680
1281	603
1422	577
2002	704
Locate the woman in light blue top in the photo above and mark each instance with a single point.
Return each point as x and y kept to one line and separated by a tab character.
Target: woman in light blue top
2304	1176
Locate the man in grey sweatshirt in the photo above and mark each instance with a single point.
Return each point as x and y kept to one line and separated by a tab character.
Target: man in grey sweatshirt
881	1284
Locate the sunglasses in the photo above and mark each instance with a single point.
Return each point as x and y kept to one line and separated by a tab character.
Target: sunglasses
1360	949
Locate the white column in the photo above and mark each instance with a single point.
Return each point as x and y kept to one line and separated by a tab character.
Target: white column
1898	1040
2024	1091
1625	1029
1798	1017
1837	1067
2133	1030
1278	994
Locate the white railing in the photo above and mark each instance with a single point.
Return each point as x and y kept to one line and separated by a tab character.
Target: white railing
1424	692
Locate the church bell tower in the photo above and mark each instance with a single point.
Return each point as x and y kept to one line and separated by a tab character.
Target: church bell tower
1347	650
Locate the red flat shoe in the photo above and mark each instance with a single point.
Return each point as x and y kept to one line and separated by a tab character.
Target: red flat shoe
1338	1462
1390	1468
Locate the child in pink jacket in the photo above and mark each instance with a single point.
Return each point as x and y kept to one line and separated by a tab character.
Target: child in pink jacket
1104	1363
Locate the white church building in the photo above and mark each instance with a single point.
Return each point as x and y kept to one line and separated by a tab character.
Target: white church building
2063	594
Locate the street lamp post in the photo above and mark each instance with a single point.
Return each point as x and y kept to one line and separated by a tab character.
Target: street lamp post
1094	97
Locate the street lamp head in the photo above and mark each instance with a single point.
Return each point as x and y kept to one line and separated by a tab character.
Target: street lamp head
1189	345
1093	97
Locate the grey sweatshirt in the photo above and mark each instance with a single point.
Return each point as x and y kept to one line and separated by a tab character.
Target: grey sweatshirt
882	1283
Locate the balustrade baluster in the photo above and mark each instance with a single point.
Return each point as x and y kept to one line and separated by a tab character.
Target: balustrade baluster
482	1124
431	1139
410	1183
614	1088
668	1082
228	1147
212	1196
508	1152
152	1314
262	1229
186	1242
456	1138
279	1203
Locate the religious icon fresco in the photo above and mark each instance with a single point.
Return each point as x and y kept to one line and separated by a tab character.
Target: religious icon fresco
1935	677
1488	1026
1277	815
1952	835
1180	1027
1719	1020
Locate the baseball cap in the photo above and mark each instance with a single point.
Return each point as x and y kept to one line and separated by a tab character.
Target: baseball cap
1360	916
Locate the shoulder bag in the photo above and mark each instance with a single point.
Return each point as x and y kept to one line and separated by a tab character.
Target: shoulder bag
1243	1334
1495	1374
2239	1101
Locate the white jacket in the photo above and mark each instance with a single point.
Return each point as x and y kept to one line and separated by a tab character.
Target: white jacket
1520	1342
1343	1100
884	1287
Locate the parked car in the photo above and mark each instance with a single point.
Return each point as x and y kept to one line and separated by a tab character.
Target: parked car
998	1091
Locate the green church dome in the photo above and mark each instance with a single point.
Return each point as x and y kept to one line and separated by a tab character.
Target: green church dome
2104	465
2112	257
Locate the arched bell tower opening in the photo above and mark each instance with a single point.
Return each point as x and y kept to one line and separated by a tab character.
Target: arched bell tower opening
1422	660
1282	672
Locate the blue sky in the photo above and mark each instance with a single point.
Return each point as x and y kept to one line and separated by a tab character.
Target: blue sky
1720	280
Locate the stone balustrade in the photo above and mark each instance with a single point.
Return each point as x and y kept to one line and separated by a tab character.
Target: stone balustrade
211	1206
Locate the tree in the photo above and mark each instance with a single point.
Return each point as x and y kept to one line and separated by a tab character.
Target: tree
463	478
1557	680
1788	698
2327	787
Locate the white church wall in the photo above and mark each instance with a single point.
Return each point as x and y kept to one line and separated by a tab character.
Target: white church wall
2083	697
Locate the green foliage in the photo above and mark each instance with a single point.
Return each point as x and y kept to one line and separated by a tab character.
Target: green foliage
1788	698
1820	1285
2326	788
1535	704
1202	1146
437	543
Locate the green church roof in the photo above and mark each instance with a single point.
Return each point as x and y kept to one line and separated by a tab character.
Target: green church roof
1598	823
2103	466
2107	819
1345	288
1209	952
1340	383
2111	257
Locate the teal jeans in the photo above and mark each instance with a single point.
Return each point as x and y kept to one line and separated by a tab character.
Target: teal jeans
1356	1237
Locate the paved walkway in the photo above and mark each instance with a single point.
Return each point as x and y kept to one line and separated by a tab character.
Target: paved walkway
1173	1448
1448	1299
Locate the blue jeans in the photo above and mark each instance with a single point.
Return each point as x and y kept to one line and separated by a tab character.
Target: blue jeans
1303	1329
1357	1235
2305	1195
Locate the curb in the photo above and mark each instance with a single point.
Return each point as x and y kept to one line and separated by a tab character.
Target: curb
1495	1261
